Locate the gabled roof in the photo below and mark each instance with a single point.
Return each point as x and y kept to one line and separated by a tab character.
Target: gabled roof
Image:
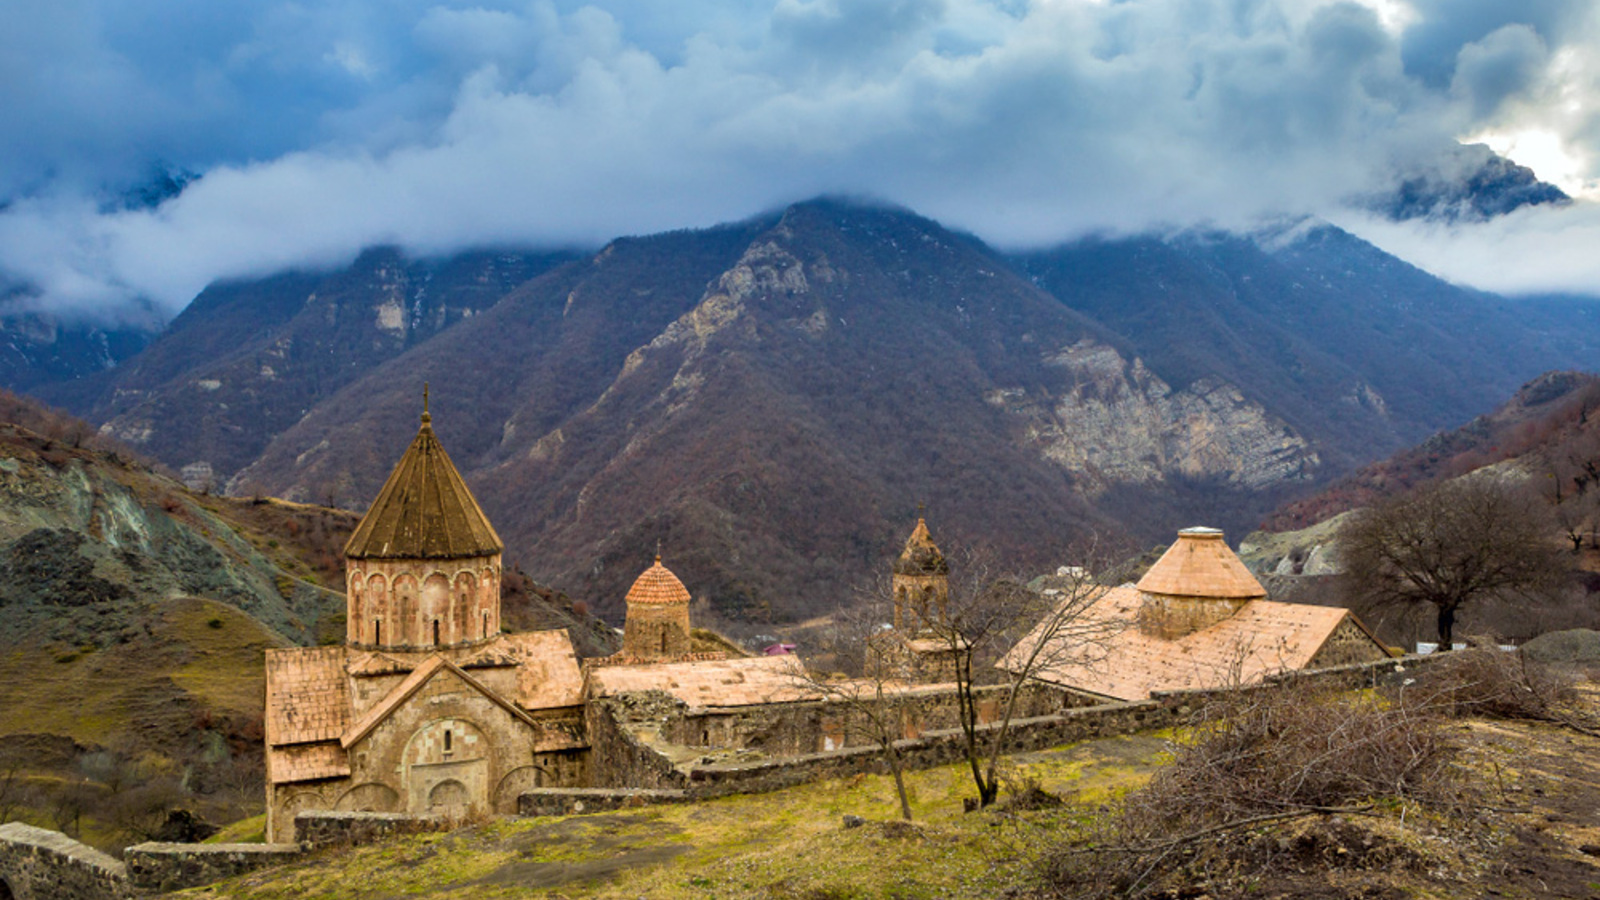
746	681
404	690
424	510
1200	564
1125	663
307	698
657	585
921	555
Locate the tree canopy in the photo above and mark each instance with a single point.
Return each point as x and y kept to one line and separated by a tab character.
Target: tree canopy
1451	543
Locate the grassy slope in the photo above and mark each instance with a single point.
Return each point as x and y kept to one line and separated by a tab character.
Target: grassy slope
785	844
1540	804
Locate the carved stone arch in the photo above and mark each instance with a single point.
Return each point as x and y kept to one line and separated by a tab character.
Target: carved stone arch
519	781
371	796
404	609
449	799
296	803
435	607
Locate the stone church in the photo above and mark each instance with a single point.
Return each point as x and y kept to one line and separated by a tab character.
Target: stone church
427	707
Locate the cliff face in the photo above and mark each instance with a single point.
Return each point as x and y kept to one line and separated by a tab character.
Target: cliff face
1110	422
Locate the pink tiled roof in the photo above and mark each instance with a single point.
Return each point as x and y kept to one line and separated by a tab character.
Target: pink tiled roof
307	698
307	762
744	681
1200	564
548	676
657	584
1123	662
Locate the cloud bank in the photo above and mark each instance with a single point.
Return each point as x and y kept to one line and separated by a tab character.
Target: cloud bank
317	130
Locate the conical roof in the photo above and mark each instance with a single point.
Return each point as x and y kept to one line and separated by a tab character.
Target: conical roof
424	510
1200	564
921	556
657	585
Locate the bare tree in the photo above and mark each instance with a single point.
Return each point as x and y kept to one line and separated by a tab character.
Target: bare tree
1449	544
1001	636
869	703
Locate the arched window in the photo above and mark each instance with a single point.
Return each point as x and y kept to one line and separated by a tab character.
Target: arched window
377	631
447	740
663	642
435	632
485	624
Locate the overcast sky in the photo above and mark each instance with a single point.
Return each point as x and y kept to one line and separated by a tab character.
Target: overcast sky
319	128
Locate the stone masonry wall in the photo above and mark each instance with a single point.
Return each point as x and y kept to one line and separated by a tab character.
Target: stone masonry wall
173	867
326	827
568	801
36	864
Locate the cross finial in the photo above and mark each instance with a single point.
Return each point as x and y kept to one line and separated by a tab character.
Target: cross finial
658	549
426	418
921	509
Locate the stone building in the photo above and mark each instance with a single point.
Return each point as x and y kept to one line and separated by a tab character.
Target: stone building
921	647
1197	619
427	707
657	627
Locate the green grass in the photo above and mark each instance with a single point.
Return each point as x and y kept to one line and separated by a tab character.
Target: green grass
789	843
245	831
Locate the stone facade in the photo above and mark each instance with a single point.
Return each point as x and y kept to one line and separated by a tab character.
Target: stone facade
413	604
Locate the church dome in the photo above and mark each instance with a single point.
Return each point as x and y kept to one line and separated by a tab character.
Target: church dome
657	586
424	510
1200	564
921	556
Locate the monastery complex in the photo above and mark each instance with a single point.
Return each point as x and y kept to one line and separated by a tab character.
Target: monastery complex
429	708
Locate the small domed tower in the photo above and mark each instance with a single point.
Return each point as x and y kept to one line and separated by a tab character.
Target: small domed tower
1197	583
921	582
658	616
423	567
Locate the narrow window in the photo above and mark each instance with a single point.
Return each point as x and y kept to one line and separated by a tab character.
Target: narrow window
435	631
377	631
485	624
663	642
447	740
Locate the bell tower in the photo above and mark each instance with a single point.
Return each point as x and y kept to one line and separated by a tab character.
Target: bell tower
921	583
423	567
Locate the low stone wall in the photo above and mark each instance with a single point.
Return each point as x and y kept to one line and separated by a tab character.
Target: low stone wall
36	864
570	801
927	749
934	748
328	828
173	867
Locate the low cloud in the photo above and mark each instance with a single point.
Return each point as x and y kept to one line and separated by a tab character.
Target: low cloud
437	126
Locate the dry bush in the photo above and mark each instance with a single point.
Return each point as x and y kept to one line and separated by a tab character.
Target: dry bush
1254	757
1293	747
1491	683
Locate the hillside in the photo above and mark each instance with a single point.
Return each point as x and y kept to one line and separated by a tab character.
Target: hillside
134	614
1547	421
245	360
772	398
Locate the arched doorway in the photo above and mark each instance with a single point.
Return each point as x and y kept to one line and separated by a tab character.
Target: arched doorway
5	890
449	799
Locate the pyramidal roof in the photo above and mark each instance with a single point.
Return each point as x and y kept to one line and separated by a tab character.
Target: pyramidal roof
921	555
657	584
424	510
1200	564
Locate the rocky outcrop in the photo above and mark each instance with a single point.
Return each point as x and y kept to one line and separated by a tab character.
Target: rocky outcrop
1112	421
